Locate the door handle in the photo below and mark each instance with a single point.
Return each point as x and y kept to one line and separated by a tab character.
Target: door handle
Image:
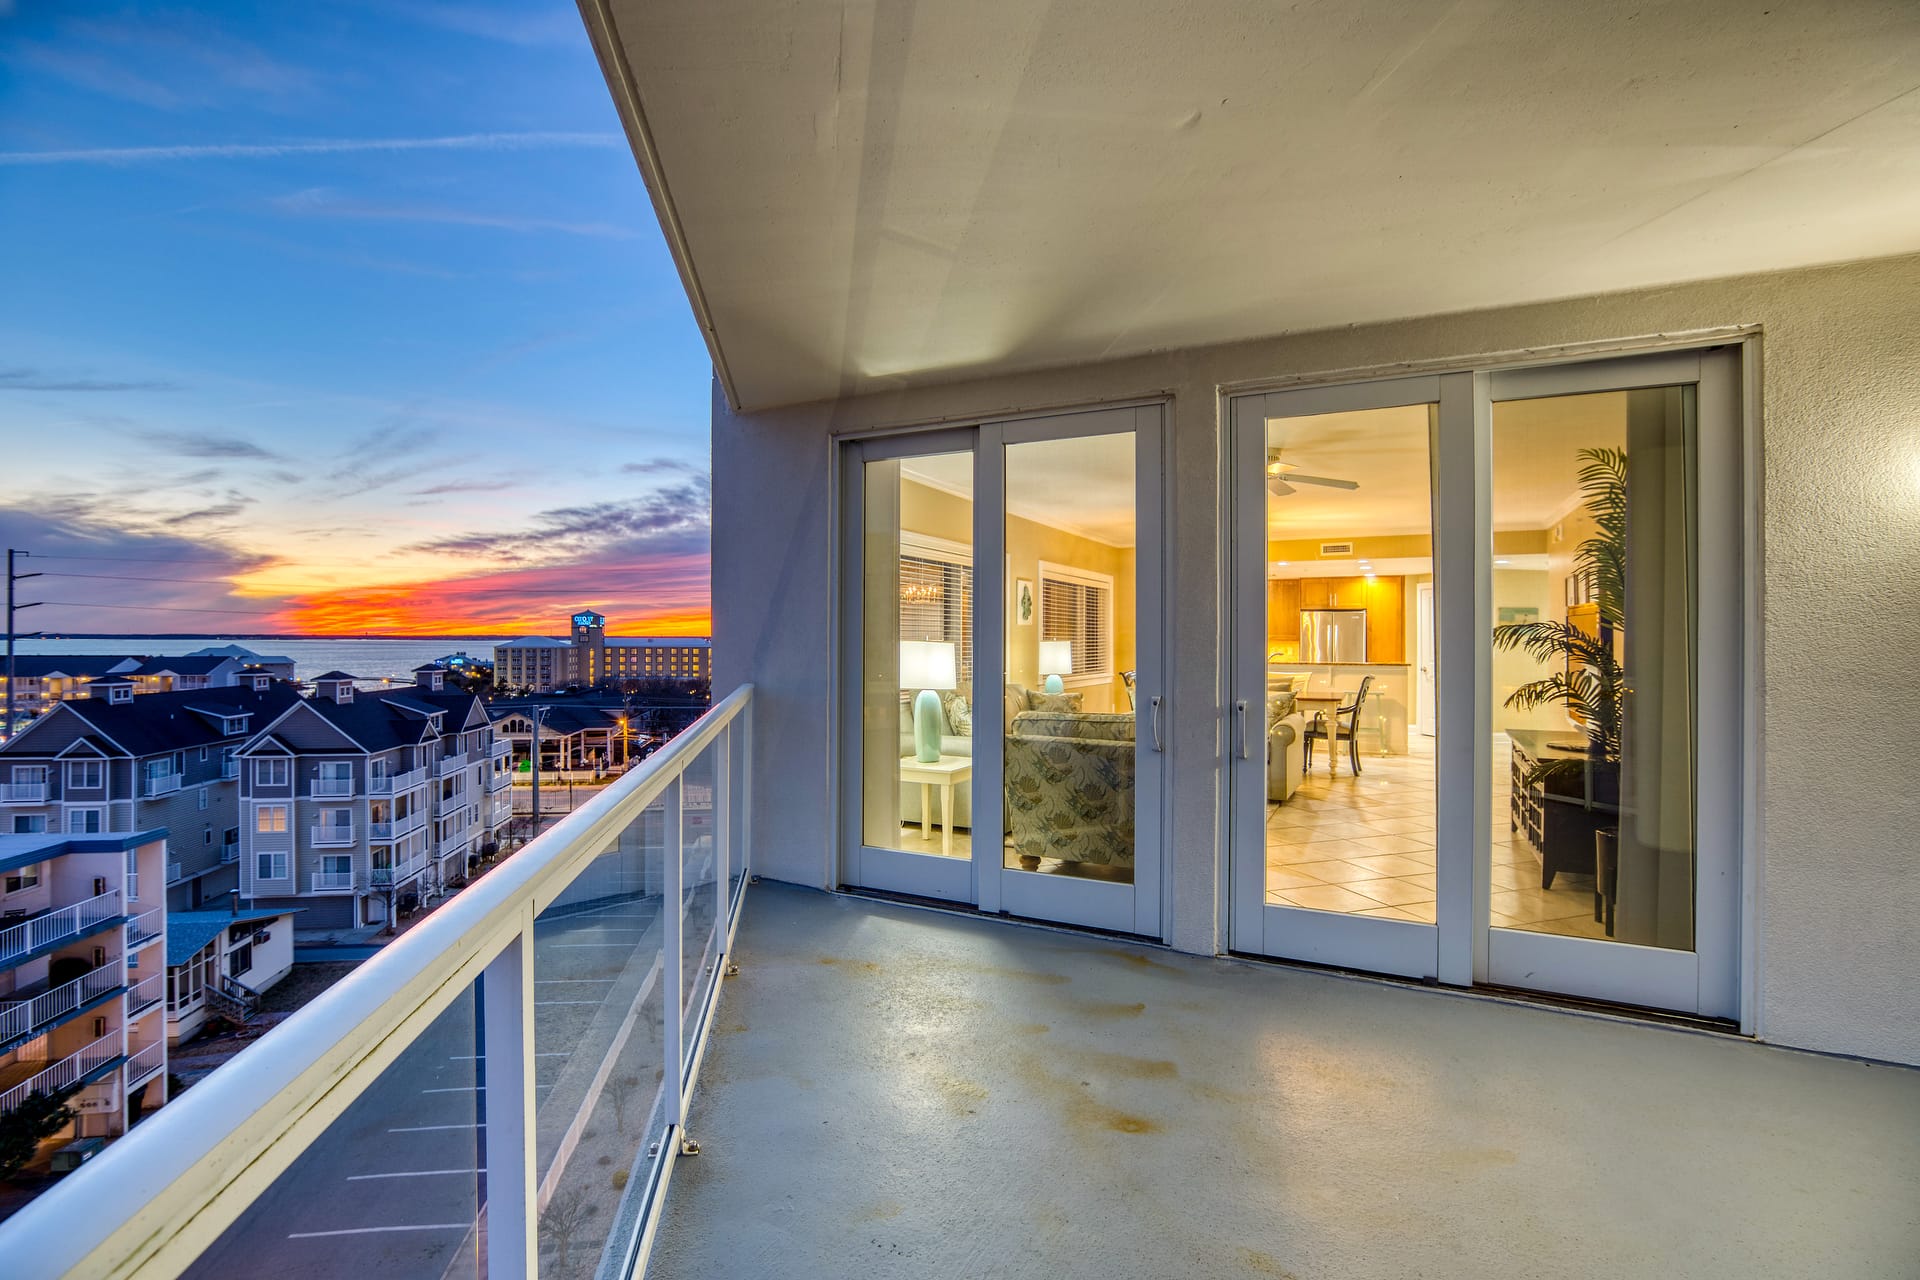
1240	710
1154	704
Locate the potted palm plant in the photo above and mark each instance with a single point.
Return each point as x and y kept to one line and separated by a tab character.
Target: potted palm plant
1589	681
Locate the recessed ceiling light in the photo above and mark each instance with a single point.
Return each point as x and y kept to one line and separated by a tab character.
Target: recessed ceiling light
1500	562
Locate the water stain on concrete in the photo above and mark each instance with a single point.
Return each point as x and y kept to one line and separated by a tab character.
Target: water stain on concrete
1032	1029
1141	961
879	1211
1122	1065
962	1097
1085	1113
1476	1158
1264	1264
866	968
1107	1009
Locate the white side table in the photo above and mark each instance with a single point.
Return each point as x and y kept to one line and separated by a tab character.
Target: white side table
945	773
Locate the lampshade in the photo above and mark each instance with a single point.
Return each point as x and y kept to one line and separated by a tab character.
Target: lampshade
927	664
1056	657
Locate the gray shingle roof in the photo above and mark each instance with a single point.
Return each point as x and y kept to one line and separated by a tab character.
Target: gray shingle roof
155	723
189	931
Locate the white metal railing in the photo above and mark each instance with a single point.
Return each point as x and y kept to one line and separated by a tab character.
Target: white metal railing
65	1072
500	747
173	873
398	827
333	835
23	793
326	880
388	784
401	871
155	1200
499	780
145	927
57	926
332	788
48	1007
142	1063
230	851
450	764
163	785
146	993
230	769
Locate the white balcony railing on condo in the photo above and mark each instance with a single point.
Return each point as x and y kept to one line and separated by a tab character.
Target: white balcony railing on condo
332	788
57	926
501	812
230	769
333	834
267	1108
142	1063
164	784
23	793
173	873
451	764
146	994
146	927
325	881
29	1016
500	747
65	1072
400	826
499	780
230	851
390	784
402	871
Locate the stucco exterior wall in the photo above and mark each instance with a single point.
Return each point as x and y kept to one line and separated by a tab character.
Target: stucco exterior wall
1832	869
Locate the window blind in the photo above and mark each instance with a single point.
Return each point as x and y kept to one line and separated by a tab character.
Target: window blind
1077	612
936	603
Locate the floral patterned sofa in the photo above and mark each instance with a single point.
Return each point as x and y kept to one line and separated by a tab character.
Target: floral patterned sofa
1070	786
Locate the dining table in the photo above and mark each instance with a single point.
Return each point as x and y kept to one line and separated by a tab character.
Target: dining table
1325	703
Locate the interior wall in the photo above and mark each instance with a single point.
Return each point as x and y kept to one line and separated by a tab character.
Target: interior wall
1838	512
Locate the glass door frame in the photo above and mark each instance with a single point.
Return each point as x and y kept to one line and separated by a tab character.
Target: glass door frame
1404	948
991	886
1462	948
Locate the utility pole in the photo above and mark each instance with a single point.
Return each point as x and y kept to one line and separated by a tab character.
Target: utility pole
13	682
539	714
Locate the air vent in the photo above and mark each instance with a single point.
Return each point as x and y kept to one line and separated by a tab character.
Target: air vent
1336	548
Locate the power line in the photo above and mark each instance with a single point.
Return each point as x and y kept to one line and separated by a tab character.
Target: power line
144	577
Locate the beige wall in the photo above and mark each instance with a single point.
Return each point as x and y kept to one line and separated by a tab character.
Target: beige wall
1837	514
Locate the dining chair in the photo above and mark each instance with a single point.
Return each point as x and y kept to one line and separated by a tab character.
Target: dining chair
1346	722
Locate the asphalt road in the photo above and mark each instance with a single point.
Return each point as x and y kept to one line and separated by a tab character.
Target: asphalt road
393	1187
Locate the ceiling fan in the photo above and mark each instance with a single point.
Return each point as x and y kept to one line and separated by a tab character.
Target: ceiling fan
1282	476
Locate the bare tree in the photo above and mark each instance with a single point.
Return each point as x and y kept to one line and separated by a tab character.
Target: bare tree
561	1221
620	1090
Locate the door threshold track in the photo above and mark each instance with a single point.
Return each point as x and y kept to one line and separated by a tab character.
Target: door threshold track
970	912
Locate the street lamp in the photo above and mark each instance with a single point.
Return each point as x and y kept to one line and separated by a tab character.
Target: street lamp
539	714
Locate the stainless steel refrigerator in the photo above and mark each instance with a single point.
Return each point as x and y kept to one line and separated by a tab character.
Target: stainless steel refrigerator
1333	635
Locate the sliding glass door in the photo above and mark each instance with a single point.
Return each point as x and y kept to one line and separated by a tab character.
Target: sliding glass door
1486	701
1002	709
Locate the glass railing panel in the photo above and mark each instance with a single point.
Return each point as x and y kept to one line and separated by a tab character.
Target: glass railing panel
699	889
738	742
392	1190
599	1031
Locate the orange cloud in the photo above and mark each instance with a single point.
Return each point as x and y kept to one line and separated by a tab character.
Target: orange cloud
666	595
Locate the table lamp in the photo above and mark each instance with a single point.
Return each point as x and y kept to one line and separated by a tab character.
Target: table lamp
927	665
1056	660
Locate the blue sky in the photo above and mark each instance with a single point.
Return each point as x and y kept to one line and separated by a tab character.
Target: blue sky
357	311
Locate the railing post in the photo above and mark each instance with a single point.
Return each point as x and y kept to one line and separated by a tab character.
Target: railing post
513	1212
722	843
745	721
671	953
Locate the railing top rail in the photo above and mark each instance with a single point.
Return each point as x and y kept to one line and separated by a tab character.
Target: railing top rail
187	1172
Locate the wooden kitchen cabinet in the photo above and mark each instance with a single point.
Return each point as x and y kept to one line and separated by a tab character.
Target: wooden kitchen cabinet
1349	593
1283	609
1386	605
1315	593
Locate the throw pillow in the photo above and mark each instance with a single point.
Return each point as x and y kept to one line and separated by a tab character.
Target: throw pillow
1016	702
959	714
1037	700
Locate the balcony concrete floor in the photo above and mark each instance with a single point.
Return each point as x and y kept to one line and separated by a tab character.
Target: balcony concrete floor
896	1093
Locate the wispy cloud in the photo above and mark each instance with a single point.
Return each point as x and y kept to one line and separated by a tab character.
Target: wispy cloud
558	27
524	141
671	518
207	444
464	486
319	202
20	379
661	466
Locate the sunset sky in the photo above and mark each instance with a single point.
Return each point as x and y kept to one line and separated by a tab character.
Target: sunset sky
338	319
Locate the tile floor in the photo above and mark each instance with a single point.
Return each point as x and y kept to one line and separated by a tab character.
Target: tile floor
1364	846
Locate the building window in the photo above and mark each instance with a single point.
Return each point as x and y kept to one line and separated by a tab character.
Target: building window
936	599
28	878
270	818
83	821
203	755
29	824
206	836
133	876
86	775
270	772
1077	606
203	797
270	866
240	960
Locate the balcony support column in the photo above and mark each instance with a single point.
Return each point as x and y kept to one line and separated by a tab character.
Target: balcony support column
506	1072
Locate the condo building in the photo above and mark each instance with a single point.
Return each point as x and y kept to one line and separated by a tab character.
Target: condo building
109	761
352	802
590	658
83	977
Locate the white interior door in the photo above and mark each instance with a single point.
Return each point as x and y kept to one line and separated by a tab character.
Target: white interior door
1423	657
